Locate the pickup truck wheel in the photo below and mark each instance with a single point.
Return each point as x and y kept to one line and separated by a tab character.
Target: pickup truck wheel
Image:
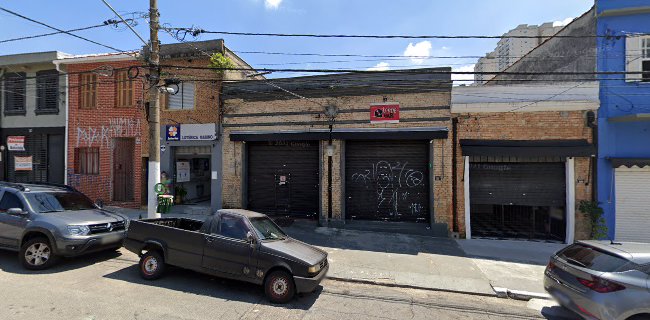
152	265
279	287
37	254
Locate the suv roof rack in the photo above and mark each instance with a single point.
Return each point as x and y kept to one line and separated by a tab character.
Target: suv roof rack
13	185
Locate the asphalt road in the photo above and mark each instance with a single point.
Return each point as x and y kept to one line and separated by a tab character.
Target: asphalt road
107	286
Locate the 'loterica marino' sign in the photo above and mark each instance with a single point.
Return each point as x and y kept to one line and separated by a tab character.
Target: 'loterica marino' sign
191	132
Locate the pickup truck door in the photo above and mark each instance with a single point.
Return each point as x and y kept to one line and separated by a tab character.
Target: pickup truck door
11	226
226	248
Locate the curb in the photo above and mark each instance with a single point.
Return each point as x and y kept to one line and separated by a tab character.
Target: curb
526	295
396	285
506	293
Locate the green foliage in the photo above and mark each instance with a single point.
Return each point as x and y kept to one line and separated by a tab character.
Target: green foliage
180	193
595	213
221	62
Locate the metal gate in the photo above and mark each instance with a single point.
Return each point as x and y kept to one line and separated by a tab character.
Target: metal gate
387	180
518	200
123	164
283	177
36	146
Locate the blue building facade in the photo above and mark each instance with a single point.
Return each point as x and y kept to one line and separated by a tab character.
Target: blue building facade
624	117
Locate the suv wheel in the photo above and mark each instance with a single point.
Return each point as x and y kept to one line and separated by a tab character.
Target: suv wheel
152	265
37	254
279	287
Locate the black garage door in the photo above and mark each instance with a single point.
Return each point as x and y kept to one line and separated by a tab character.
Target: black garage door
283	177
518	200
387	180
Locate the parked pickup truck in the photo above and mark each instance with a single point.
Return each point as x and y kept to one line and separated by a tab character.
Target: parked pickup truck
232	243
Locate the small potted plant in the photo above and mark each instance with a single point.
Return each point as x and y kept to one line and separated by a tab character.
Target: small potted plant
180	194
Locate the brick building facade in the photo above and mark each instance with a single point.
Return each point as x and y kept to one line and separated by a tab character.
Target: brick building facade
105	127
276	150
190	120
515	159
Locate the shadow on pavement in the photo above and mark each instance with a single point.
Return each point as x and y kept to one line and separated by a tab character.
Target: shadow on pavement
200	284
518	251
559	313
309	232
9	262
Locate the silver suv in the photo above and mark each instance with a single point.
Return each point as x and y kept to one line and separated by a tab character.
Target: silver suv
44	222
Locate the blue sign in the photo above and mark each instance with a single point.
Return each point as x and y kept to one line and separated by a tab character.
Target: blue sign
173	132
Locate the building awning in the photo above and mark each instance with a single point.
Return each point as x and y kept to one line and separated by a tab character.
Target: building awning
425	133
630	162
637	117
528	148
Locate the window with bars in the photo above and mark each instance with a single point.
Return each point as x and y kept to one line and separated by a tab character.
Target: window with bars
88	91
184	99
14	91
637	58
47	98
645	64
87	161
124	97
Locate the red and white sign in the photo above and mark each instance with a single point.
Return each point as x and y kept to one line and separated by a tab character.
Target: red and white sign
23	163
384	112
16	143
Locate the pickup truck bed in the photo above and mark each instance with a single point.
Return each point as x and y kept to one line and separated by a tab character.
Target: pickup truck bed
178	223
181	239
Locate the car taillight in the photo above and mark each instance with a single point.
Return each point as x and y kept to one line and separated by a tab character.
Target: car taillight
551	266
601	285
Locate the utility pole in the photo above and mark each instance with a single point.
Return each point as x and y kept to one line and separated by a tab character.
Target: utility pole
154	110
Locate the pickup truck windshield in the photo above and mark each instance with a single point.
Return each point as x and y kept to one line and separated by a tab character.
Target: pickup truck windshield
267	229
44	202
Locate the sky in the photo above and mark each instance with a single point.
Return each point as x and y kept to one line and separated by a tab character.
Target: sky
406	17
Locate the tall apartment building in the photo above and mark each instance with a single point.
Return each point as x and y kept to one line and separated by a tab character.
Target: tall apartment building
510	49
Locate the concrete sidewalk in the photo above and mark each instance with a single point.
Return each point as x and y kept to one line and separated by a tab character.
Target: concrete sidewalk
517	266
395	259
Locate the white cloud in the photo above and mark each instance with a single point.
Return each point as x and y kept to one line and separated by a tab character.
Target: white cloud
382	66
463	78
562	23
272	4
418	51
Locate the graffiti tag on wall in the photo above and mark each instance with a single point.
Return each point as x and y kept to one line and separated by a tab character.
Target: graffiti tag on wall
398	189
101	136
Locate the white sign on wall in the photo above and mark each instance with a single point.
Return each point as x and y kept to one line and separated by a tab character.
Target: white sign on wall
23	163
182	171
198	132
16	143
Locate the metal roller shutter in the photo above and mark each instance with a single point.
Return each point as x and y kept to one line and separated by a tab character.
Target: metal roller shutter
387	180
35	146
525	184
632	204
521	200
283	177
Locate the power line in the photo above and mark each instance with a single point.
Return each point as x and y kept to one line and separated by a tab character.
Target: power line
106	23
59	30
197	31
495	57
128	25
416	71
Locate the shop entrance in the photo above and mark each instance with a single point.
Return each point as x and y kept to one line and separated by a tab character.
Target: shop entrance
283	177
191	176
515	200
